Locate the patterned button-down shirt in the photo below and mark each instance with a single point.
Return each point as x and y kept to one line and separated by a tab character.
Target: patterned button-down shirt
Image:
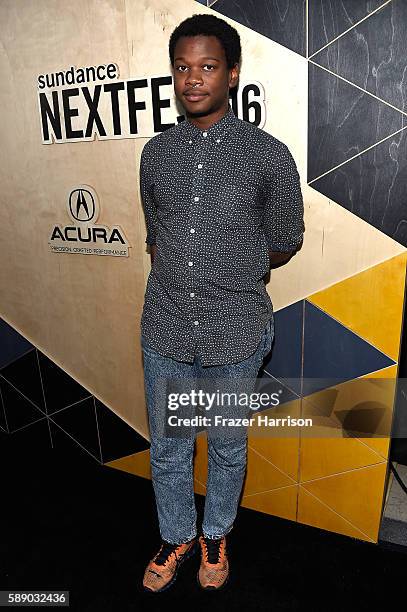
215	201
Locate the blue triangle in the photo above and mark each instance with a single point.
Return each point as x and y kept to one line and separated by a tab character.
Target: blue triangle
284	362
333	353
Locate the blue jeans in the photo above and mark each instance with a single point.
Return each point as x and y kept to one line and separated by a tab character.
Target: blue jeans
172	458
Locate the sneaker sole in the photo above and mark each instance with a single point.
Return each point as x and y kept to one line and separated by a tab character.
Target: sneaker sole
212	588
187	555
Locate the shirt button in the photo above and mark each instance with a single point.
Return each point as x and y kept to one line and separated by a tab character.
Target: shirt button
196	322
192	294
190	263
196	199
190	141
199	166
205	134
192	230
218	140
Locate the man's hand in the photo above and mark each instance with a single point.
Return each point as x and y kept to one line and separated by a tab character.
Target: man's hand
281	257
153	251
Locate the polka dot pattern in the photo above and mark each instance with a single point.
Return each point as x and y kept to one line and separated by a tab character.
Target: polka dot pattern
215	201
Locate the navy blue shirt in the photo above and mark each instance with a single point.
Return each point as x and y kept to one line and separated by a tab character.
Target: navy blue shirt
215	201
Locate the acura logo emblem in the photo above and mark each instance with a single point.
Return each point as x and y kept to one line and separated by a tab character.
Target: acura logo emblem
82	205
82	234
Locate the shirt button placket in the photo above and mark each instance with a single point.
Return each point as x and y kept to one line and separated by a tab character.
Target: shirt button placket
199	158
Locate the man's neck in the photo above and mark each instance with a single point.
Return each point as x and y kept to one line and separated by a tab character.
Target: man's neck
206	121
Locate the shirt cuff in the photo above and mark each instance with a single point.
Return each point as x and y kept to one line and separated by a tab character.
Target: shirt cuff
285	247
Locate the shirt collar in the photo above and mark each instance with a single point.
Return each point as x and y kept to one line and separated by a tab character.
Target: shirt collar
216	131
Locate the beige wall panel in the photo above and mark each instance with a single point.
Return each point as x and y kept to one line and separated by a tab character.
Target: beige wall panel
337	245
82	311
282	72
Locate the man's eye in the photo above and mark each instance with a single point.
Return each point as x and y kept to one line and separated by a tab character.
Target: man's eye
209	66
178	68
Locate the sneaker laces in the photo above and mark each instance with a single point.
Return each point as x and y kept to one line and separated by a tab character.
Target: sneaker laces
166	550
212	550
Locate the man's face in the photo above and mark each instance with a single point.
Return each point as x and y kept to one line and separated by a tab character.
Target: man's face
201	76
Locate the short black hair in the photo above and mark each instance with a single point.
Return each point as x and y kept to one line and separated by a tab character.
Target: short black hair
209	25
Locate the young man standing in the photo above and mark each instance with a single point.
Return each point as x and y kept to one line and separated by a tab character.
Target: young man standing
222	201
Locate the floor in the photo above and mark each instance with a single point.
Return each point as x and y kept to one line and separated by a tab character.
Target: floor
80	526
394	523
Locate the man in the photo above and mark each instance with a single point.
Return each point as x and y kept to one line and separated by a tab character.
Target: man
223	202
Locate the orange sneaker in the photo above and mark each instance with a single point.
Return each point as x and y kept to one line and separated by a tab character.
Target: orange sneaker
214	569
161	572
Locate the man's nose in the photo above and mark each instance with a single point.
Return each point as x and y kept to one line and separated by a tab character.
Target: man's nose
194	78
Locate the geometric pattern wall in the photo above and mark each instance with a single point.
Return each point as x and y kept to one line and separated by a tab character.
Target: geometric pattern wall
334	482
339	481
357	121
348	329
356	157
39	399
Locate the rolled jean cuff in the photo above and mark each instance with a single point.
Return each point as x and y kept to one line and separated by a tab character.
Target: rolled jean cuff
217	537
178	543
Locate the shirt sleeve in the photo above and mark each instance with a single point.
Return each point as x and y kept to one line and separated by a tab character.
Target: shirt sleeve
283	220
147	193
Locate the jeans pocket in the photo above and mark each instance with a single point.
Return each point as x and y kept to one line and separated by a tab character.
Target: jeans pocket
268	338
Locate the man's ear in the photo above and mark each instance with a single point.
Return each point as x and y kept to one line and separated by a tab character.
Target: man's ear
234	76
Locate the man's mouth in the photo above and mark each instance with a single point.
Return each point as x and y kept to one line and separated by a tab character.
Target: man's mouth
194	96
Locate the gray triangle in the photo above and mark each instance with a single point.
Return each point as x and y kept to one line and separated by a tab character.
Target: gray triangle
343	121
373	55
328	19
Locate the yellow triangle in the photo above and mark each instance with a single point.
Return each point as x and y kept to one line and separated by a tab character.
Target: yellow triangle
280	502
380	445
138	464
312	512
262	476
279	445
325	456
356	495
199	487
389	373
201	458
281	452
370	303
